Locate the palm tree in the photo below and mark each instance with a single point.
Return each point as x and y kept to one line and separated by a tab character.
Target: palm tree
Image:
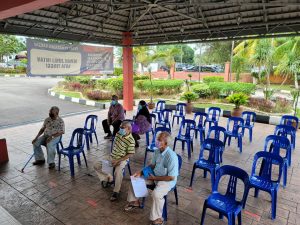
288	58
142	55
168	57
238	66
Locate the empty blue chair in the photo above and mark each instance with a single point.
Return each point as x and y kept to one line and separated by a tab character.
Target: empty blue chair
275	143
199	118
164	118
218	133
152	147
179	113
287	131
290	120
212	162
186	135
160	106
235	129
213	116
75	148
227	205
249	120
264	180
151	130
90	126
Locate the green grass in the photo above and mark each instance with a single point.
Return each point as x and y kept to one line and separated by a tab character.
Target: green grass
70	94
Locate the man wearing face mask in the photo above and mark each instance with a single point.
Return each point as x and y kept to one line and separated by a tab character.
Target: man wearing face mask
49	135
123	149
115	117
165	168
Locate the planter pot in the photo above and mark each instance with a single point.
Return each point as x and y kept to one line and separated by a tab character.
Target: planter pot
237	112
189	108
151	105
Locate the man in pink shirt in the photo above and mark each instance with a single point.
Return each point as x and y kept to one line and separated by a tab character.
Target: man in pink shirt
115	117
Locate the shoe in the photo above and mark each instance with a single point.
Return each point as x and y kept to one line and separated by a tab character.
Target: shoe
108	136
106	184
114	197
51	166
38	162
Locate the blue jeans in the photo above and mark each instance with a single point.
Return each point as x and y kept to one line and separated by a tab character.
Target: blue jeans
51	148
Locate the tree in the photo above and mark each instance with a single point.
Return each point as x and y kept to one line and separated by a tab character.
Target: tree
187	54
217	52
168	57
238	66
9	44
288	57
143	56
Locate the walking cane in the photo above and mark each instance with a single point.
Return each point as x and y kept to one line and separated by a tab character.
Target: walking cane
22	170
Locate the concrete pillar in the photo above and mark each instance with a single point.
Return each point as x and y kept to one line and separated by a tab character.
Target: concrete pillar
227	72
127	71
10	8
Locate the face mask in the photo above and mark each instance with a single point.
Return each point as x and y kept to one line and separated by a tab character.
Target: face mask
113	102
51	115
140	107
122	131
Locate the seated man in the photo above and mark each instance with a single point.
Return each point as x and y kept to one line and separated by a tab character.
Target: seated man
115	117
165	168
52	130
123	148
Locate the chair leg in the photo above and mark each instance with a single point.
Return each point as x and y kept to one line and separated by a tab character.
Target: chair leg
59	160
256	191
87	141
176	195
173	121
84	158
177	120
240	141
229	140
182	145
147	138
71	163
221	216
188	148
285	167
91	137
204	173
203	213
174	146
145	159
78	159
231	219
250	134
193	173
165	209
196	134
212	178
240	218
192	145
274	203
129	169
96	137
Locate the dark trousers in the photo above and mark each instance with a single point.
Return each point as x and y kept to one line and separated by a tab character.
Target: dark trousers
115	124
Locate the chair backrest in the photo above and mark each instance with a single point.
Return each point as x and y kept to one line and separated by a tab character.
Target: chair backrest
214	113
234	174
284	130
249	118
180	109
91	122
165	115
290	120
214	150
268	160
77	139
156	132
186	128
199	118
128	120
234	124
160	105
179	162
276	143
217	132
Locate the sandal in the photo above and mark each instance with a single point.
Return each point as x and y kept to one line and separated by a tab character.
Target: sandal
131	207
106	184
160	222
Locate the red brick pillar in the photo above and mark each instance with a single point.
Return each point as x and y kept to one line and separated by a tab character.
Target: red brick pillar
127	71
3	151
227	72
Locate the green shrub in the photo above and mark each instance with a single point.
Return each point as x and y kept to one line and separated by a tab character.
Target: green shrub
144	77
116	84
213	79
118	71
160	86
189	96
225	88
238	99
102	84
202	90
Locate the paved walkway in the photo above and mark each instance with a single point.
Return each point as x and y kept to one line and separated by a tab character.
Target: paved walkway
40	196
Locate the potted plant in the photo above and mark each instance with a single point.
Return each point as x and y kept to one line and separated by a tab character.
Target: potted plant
189	97
237	99
151	104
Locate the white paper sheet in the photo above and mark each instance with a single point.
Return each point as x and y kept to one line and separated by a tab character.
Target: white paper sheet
139	187
107	167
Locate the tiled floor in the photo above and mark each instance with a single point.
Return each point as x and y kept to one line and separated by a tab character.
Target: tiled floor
40	196
6	218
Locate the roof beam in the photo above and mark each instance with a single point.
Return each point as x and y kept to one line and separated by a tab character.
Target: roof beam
141	16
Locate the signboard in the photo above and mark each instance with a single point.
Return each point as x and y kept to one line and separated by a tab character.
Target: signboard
48	58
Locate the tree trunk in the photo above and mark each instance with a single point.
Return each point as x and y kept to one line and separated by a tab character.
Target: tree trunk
142	69
296	81
268	80
169	74
286	77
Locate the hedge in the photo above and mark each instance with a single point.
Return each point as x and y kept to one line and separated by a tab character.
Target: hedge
213	79
143	77
225	88
202	90
160	86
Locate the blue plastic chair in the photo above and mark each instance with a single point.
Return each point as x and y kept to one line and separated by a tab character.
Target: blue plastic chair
213	116
275	143
287	131
227	205
249	118
90	126
186	135
235	129
151	130
264	180
179	113
152	147
160	106
218	133
164	118
212	163
75	148
199	118
290	120
165	208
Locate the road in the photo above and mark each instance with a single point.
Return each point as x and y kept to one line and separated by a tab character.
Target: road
24	100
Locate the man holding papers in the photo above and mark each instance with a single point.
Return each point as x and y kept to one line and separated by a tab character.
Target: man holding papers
123	148
162	172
